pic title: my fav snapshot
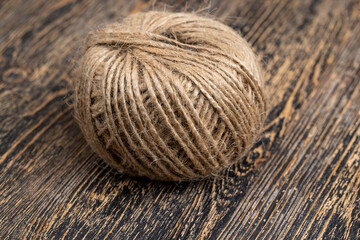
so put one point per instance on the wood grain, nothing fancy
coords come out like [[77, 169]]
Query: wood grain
[[300, 181]]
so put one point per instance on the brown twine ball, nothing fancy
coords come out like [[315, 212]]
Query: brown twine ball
[[169, 96]]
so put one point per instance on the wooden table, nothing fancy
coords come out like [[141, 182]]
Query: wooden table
[[301, 180]]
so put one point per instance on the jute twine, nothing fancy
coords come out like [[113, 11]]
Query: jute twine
[[169, 96]]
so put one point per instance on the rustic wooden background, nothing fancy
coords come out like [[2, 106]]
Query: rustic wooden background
[[301, 180]]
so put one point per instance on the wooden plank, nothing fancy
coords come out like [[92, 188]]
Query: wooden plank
[[301, 180]]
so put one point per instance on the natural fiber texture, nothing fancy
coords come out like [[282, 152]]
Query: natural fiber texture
[[169, 96]]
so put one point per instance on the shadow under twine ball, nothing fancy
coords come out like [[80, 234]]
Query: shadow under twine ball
[[169, 96]]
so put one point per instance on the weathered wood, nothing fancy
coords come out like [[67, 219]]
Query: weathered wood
[[301, 180]]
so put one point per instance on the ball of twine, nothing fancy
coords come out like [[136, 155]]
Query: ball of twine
[[169, 96]]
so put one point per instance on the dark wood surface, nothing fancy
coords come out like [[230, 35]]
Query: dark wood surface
[[300, 181]]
